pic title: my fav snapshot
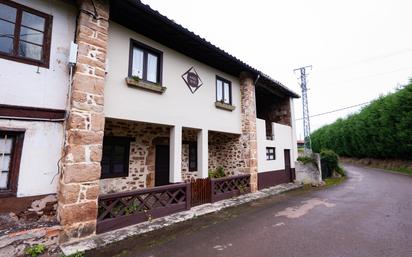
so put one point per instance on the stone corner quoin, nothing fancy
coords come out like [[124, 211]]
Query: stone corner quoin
[[80, 170]]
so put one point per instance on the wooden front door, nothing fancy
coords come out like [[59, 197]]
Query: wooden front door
[[162, 165], [288, 170]]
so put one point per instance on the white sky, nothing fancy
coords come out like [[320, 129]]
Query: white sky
[[359, 49]]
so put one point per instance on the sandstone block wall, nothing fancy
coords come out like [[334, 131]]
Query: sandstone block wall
[[142, 154], [80, 166], [225, 150], [248, 137]]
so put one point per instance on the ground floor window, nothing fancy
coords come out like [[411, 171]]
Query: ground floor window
[[192, 156], [11, 143], [270, 153], [115, 159]]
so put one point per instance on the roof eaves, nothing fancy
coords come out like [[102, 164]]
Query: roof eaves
[[206, 43]]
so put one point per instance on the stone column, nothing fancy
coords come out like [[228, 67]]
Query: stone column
[[202, 153], [175, 172], [80, 167], [248, 137]]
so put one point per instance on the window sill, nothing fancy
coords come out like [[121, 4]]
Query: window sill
[[223, 106], [145, 85], [114, 176]]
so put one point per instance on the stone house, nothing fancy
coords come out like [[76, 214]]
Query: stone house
[[147, 104]]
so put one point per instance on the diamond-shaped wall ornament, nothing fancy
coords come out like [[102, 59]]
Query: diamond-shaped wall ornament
[[192, 80]]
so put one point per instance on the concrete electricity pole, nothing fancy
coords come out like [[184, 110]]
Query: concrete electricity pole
[[306, 121]]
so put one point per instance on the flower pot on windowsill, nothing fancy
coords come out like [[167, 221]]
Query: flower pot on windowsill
[[224, 106], [138, 83]]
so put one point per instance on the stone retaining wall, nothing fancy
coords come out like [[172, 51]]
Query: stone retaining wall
[[309, 173]]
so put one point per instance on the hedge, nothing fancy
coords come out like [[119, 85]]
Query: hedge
[[383, 129]]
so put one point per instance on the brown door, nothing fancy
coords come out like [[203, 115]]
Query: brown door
[[288, 170], [162, 165]]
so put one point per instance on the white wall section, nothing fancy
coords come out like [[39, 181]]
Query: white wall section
[[175, 106], [28, 85], [40, 155], [283, 140]]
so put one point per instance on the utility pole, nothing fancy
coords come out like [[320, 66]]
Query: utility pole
[[306, 121]]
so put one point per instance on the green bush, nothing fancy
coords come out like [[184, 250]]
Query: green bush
[[380, 130], [218, 173], [35, 250], [330, 158], [306, 159]]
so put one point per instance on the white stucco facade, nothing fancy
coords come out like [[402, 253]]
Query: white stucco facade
[[28, 85], [42, 149], [283, 139], [176, 106]]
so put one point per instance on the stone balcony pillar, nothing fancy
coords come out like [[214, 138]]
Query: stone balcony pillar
[[80, 166], [248, 137]]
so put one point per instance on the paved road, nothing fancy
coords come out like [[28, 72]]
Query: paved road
[[370, 214]]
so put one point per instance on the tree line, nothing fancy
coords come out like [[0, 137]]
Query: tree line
[[382, 129]]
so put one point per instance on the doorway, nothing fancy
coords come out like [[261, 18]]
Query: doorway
[[162, 165], [288, 169]]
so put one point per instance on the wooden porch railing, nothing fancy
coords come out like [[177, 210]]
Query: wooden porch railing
[[127, 208], [227, 187]]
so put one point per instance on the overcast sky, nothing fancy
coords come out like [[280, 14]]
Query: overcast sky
[[359, 49]]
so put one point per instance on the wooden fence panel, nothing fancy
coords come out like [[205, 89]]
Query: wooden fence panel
[[127, 208], [227, 187]]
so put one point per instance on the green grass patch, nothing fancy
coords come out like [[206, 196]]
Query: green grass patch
[[35, 250], [334, 181], [403, 170]]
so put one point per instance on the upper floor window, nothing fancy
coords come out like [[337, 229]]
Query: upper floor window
[[145, 62], [223, 90], [11, 143], [24, 34]]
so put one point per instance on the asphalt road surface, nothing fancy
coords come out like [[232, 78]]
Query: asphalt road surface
[[370, 214]]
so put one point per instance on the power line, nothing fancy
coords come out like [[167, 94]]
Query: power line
[[369, 59], [337, 110], [376, 74]]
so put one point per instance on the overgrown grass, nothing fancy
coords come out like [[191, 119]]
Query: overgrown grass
[[390, 165], [334, 181], [404, 170]]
